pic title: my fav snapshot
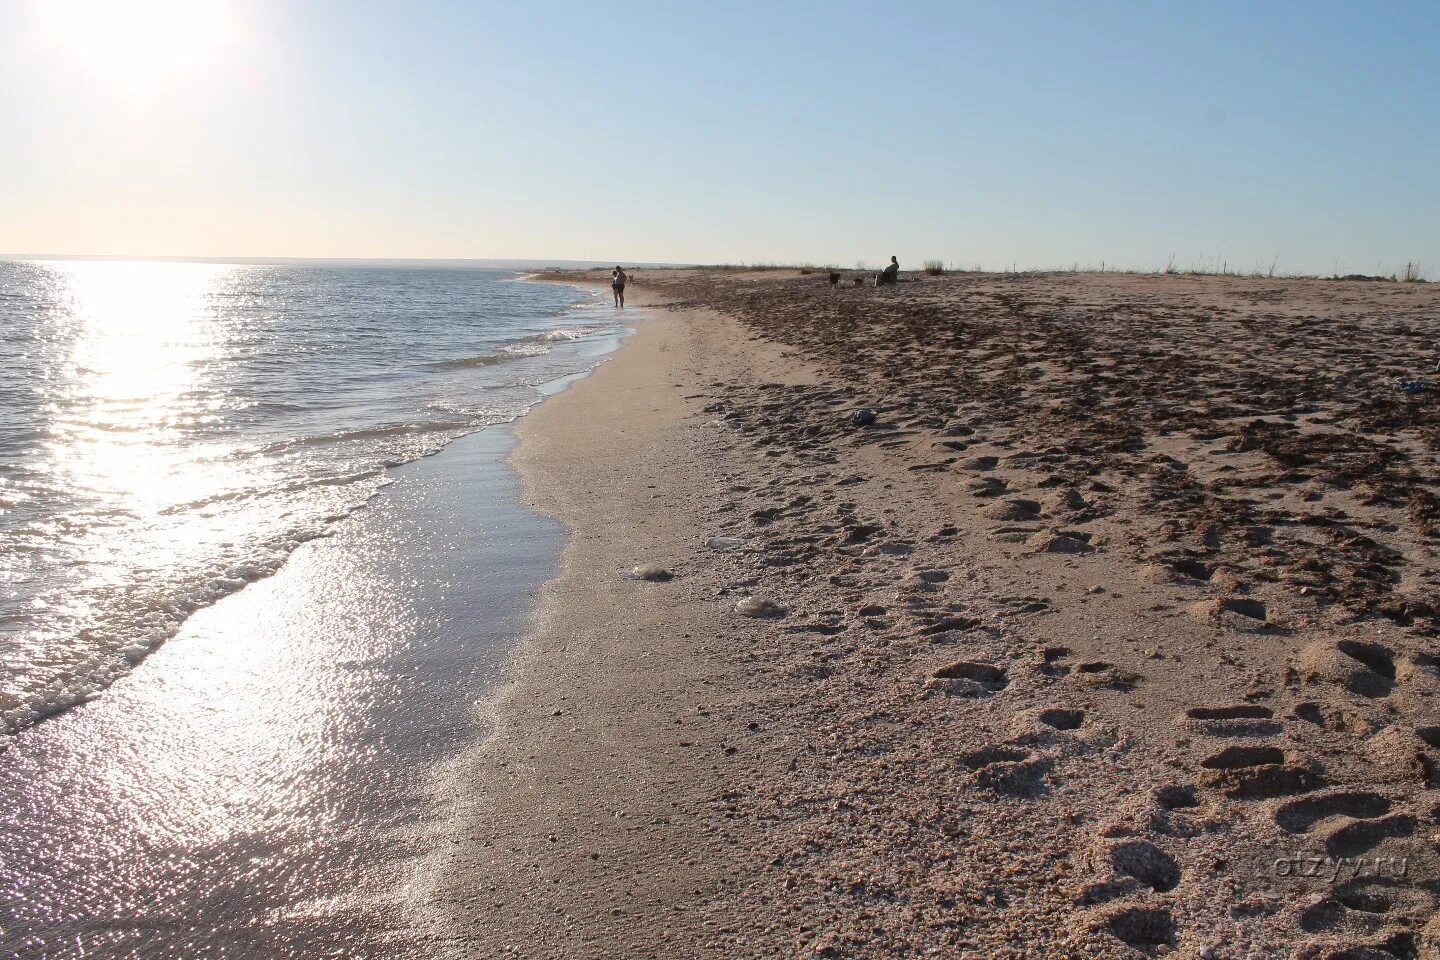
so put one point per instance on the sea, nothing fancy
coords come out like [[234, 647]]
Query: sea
[[263, 560]]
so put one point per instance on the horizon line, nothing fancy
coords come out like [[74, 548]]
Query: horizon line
[[177, 258]]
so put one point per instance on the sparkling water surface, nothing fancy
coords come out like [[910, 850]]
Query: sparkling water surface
[[193, 769], [172, 431]]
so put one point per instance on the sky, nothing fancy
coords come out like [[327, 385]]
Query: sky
[[1042, 134]]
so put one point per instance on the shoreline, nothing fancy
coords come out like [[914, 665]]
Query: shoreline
[[290, 722], [591, 778], [1012, 707], [298, 722]]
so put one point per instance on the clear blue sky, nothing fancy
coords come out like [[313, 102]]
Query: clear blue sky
[[991, 133]]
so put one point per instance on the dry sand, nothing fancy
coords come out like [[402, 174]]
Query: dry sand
[[1114, 635]]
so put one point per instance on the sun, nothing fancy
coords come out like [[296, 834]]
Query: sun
[[135, 44]]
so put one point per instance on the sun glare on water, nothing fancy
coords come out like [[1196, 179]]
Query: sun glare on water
[[138, 43]]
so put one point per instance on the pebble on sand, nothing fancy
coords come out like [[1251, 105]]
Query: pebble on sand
[[652, 572], [760, 607], [721, 541]]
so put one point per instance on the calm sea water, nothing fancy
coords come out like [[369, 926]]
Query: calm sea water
[[227, 690], [171, 432]]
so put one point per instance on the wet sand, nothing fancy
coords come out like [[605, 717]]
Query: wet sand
[[1112, 636]]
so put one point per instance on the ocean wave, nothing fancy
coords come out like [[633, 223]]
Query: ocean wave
[[535, 346], [369, 433], [291, 486], [142, 620], [526, 349], [578, 333], [484, 360]]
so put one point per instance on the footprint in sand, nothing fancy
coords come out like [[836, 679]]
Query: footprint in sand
[[969, 679], [1012, 508], [1099, 673], [1008, 769], [1251, 772], [1333, 717], [1241, 720], [1370, 899], [1146, 929], [986, 486], [1248, 711], [1403, 755], [948, 624], [1429, 735], [1428, 662], [1346, 823], [1135, 866], [1301, 816], [1062, 718], [1009, 533], [1019, 605], [1177, 797], [1362, 836], [1052, 661], [1366, 669], [1244, 614], [861, 532], [1067, 502], [1179, 570], [1147, 863], [1073, 542], [1373, 918], [930, 575]]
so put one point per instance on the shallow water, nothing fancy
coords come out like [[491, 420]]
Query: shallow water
[[258, 787], [205, 759], [170, 432]]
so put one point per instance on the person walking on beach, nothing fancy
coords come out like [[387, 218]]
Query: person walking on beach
[[617, 285]]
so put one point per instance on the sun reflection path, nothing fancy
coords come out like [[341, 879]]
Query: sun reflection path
[[136, 468], [142, 336]]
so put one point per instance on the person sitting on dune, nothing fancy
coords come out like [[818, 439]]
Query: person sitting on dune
[[889, 275]]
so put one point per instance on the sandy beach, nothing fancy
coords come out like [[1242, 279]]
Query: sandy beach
[[1059, 578], [1110, 637]]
